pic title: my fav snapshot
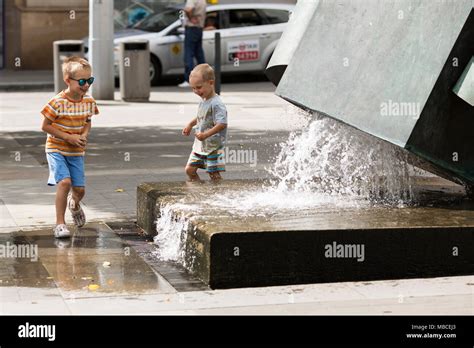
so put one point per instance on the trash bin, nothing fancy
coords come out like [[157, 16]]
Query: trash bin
[[134, 70], [61, 50]]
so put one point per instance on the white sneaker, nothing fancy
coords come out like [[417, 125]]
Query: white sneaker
[[61, 231], [77, 213], [185, 84]]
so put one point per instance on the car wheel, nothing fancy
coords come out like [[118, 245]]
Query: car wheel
[[155, 70]]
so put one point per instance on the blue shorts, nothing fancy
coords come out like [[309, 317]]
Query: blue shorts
[[62, 167]]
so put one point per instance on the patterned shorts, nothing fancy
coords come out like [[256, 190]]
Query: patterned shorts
[[212, 163]]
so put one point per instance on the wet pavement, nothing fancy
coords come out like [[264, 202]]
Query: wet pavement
[[74, 277], [93, 262]]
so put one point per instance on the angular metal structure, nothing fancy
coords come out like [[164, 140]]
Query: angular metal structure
[[398, 70]]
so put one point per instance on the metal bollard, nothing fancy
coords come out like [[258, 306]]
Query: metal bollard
[[217, 61]]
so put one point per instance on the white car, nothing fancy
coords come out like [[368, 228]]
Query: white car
[[249, 35]]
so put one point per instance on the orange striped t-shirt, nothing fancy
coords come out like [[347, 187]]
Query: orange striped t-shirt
[[70, 117]]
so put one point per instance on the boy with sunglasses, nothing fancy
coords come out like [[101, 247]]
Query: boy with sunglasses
[[67, 121]]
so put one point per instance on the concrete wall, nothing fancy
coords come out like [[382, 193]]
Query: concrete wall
[[32, 26]]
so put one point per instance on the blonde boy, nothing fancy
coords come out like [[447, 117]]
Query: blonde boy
[[67, 121], [211, 130]]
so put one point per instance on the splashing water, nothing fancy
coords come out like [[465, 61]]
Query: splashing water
[[327, 164], [171, 243], [332, 159]]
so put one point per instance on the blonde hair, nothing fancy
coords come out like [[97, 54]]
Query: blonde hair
[[73, 64], [206, 71]]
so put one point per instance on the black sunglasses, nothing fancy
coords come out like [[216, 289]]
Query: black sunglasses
[[82, 82]]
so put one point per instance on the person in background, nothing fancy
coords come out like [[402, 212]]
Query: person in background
[[195, 16], [211, 23]]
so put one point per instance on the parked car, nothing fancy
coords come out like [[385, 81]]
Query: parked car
[[249, 35], [128, 21]]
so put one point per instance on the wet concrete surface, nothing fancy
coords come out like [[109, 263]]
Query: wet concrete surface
[[94, 262], [176, 275], [58, 283], [440, 203]]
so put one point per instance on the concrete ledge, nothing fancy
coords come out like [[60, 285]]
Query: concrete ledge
[[225, 250]]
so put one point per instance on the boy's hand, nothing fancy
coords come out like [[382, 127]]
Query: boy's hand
[[187, 130], [202, 136], [76, 140], [84, 138]]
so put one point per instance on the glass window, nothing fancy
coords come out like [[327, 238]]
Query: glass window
[[212, 21], [159, 21], [129, 13], [275, 16], [244, 18]]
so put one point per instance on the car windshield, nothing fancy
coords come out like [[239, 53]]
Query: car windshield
[[159, 21]]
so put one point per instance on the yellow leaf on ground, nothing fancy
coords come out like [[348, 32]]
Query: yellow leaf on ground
[[119, 190], [93, 287]]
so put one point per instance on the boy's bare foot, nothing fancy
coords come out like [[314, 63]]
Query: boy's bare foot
[[194, 182], [215, 177], [194, 178], [192, 174]]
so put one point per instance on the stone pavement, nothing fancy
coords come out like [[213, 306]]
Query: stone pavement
[[136, 142]]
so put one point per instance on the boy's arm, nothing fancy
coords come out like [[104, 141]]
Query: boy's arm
[[74, 139], [187, 129], [87, 129], [210, 132]]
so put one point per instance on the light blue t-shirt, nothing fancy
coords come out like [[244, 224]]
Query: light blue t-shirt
[[210, 113]]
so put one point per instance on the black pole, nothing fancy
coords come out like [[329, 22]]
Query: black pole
[[217, 60]]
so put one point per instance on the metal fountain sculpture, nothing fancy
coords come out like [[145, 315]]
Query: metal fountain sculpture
[[401, 71]]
